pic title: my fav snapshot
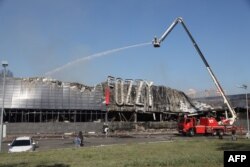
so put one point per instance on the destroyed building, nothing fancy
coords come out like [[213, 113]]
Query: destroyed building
[[49, 100]]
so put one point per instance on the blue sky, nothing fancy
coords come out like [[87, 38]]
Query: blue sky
[[37, 36]]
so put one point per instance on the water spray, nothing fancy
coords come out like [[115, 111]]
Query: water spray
[[90, 57]]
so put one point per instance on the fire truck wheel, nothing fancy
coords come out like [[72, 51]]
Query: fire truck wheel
[[214, 133], [191, 132], [221, 133]]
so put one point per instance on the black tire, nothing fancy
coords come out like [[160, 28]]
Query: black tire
[[221, 133], [214, 132], [191, 132]]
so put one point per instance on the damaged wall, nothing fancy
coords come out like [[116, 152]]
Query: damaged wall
[[43, 93], [143, 96], [120, 95]]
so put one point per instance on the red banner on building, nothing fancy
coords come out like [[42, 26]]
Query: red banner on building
[[107, 96]]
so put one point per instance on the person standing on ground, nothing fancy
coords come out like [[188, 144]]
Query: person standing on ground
[[77, 141], [234, 137], [80, 135]]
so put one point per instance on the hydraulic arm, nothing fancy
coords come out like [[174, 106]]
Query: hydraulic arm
[[157, 43]]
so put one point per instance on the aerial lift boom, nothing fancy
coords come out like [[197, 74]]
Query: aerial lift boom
[[157, 42]]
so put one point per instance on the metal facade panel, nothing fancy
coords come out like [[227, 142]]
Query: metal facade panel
[[40, 93], [128, 96]]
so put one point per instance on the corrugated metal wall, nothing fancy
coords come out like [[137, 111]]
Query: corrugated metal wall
[[40, 93], [132, 96]]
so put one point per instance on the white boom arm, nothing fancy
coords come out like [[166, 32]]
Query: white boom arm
[[157, 42]]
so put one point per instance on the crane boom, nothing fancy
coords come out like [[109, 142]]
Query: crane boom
[[157, 43]]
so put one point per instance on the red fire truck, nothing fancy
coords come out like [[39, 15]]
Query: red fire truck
[[202, 125]]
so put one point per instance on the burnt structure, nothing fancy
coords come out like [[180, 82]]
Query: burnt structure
[[48, 100], [237, 101]]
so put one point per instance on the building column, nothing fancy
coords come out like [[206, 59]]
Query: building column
[[135, 117], [106, 117]]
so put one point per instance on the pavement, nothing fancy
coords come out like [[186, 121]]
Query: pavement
[[95, 141], [90, 141]]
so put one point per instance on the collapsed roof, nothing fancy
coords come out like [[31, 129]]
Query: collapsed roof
[[124, 95]]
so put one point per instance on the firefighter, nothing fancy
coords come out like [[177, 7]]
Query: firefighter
[[234, 137], [80, 135]]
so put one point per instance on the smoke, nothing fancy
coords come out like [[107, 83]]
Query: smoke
[[191, 92], [34, 41], [90, 57]]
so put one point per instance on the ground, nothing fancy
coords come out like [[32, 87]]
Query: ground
[[128, 150], [94, 140]]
